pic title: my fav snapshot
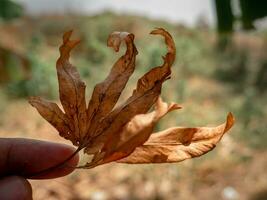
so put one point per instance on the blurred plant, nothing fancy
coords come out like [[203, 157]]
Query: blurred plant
[[194, 56], [11, 68], [155, 55], [252, 117], [232, 66], [10, 9], [261, 79], [96, 51], [3, 101], [21, 86]]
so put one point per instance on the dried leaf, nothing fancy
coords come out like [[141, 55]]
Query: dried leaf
[[133, 134], [178, 144], [71, 89], [144, 96], [53, 114], [123, 133], [107, 93]]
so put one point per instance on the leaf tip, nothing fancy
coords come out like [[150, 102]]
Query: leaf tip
[[170, 56], [158, 30], [175, 106], [230, 121], [67, 35], [115, 39], [67, 45]]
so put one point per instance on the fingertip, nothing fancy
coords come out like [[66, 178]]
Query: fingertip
[[61, 152], [69, 150], [30, 157], [15, 188], [73, 162]]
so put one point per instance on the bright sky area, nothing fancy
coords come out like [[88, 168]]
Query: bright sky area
[[186, 12]]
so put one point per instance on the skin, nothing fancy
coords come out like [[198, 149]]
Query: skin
[[22, 158]]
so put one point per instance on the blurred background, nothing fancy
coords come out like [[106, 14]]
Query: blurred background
[[221, 66]]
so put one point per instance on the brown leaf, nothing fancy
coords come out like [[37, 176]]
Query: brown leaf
[[107, 93], [144, 96], [177, 144], [133, 134], [71, 89], [52, 113], [123, 133], [72, 97]]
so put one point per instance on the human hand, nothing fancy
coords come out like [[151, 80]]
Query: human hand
[[20, 157]]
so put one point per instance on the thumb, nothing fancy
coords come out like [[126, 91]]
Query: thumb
[[15, 188]]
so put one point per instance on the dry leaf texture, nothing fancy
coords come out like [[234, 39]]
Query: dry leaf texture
[[123, 133], [177, 144]]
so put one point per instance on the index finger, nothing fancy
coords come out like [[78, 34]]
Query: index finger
[[26, 157]]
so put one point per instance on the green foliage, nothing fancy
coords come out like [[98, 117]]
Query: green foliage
[[9, 9], [40, 73], [3, 101], [232, 66], [42, 79], [193, 55], [96, 51], [252, 115], [261, 79]]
